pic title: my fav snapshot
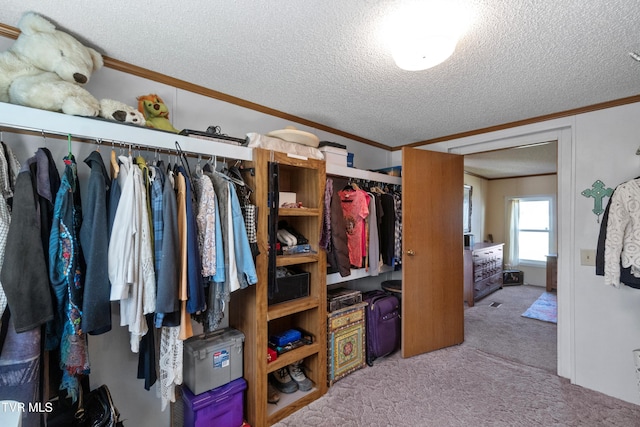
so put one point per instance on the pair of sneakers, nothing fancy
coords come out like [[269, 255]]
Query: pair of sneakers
[[291, 378]]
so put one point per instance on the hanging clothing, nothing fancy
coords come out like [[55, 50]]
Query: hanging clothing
[[374, 243], [170, 364], [206, 222], [397, 208], [5, 215], [623, 225], [218, 294], [66, 273], [20, 370], [355, 209], [94, 239], [122, 234], [167, 297], [115, 190], [195, 302], [244, 259], [186, 329], [131, 267], [25, 275], [626, 276], [338, 257], [325, 232], [388, 229], [141, 297], [221, 188]]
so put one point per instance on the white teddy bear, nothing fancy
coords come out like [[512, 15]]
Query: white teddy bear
[[121, 112], [46, 68]]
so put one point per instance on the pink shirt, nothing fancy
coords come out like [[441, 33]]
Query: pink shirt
[[355, 210]]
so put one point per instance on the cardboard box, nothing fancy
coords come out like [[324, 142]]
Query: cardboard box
[[286, 197], [212, 360]]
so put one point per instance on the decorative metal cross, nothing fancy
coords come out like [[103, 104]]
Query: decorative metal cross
[[598, 192]]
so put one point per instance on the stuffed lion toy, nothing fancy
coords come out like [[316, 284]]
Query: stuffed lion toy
[[155, 112]]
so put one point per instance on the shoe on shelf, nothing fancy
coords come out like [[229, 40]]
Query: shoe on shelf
[[297, 374], [273, 396], [282, 381]]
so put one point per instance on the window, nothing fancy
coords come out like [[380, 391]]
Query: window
[[531, 229]]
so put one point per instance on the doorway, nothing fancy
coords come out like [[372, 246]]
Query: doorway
[[495, 322]]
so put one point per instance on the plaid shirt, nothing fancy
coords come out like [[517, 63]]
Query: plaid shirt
[[157, 185]]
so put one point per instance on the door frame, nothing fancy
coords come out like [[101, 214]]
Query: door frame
[[563, 131]]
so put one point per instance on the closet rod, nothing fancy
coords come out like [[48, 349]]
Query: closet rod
[[87, 128], [351, 173]]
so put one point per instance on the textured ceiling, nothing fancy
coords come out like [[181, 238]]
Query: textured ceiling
[[323, 60], [535, 159]]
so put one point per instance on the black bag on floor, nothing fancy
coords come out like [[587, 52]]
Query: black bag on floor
[[382, 321], [93, 409]]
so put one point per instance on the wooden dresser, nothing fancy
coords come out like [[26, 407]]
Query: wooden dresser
[[483, 271]]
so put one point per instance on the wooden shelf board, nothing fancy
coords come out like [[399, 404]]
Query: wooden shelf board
[[297, 305], [294, 355], [289, 403], [296, 259], [298, 212]]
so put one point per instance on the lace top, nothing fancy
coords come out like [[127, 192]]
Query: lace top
[[622, 245]]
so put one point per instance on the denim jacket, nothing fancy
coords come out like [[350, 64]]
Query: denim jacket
[[244, 258]]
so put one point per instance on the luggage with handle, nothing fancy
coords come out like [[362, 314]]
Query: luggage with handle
[[382, 321]]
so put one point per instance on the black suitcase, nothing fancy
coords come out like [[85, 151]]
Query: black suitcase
[[382, 321]]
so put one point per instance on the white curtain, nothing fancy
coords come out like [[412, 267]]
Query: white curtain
[[511, 254]]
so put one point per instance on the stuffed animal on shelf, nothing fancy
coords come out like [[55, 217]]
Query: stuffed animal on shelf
[[120, 112], [46, 68], [155, 112]]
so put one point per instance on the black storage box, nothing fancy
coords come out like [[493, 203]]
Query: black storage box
[[342, 297], [291, 287], [512, 277]]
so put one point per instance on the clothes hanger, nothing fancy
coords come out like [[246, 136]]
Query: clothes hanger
[[207, 166], [115, 168], [199, 172], [70, 154]]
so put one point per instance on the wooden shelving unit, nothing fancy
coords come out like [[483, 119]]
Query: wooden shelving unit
[[250, 311]]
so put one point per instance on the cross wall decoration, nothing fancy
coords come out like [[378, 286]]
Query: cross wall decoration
[[598, 192]]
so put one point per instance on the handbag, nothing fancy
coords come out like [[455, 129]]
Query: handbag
[[99, 409], [93, 409]]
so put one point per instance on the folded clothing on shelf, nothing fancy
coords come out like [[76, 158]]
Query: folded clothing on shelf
[[300, 239], [286, 238]]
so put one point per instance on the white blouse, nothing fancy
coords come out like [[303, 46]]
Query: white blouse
[[622, 244]]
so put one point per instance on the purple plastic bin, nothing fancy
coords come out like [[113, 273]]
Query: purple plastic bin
[[220, 407]]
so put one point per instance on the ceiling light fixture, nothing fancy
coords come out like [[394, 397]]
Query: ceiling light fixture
[[424, 34]]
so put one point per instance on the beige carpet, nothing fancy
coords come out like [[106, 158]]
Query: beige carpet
[[472, 384]]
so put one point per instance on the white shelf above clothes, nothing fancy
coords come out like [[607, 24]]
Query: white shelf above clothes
[[356, 273], [53, 123], [346, 172]]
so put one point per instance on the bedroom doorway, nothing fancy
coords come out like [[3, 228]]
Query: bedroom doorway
[[495, 323]]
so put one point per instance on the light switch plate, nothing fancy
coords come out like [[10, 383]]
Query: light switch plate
[[587, 257]]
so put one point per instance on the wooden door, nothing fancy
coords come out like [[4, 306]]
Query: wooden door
[[432, 250]]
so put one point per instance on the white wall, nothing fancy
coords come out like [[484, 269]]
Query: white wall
[[597, 326], [499, 191], [112, 362], [607, 320], [479, 205]]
